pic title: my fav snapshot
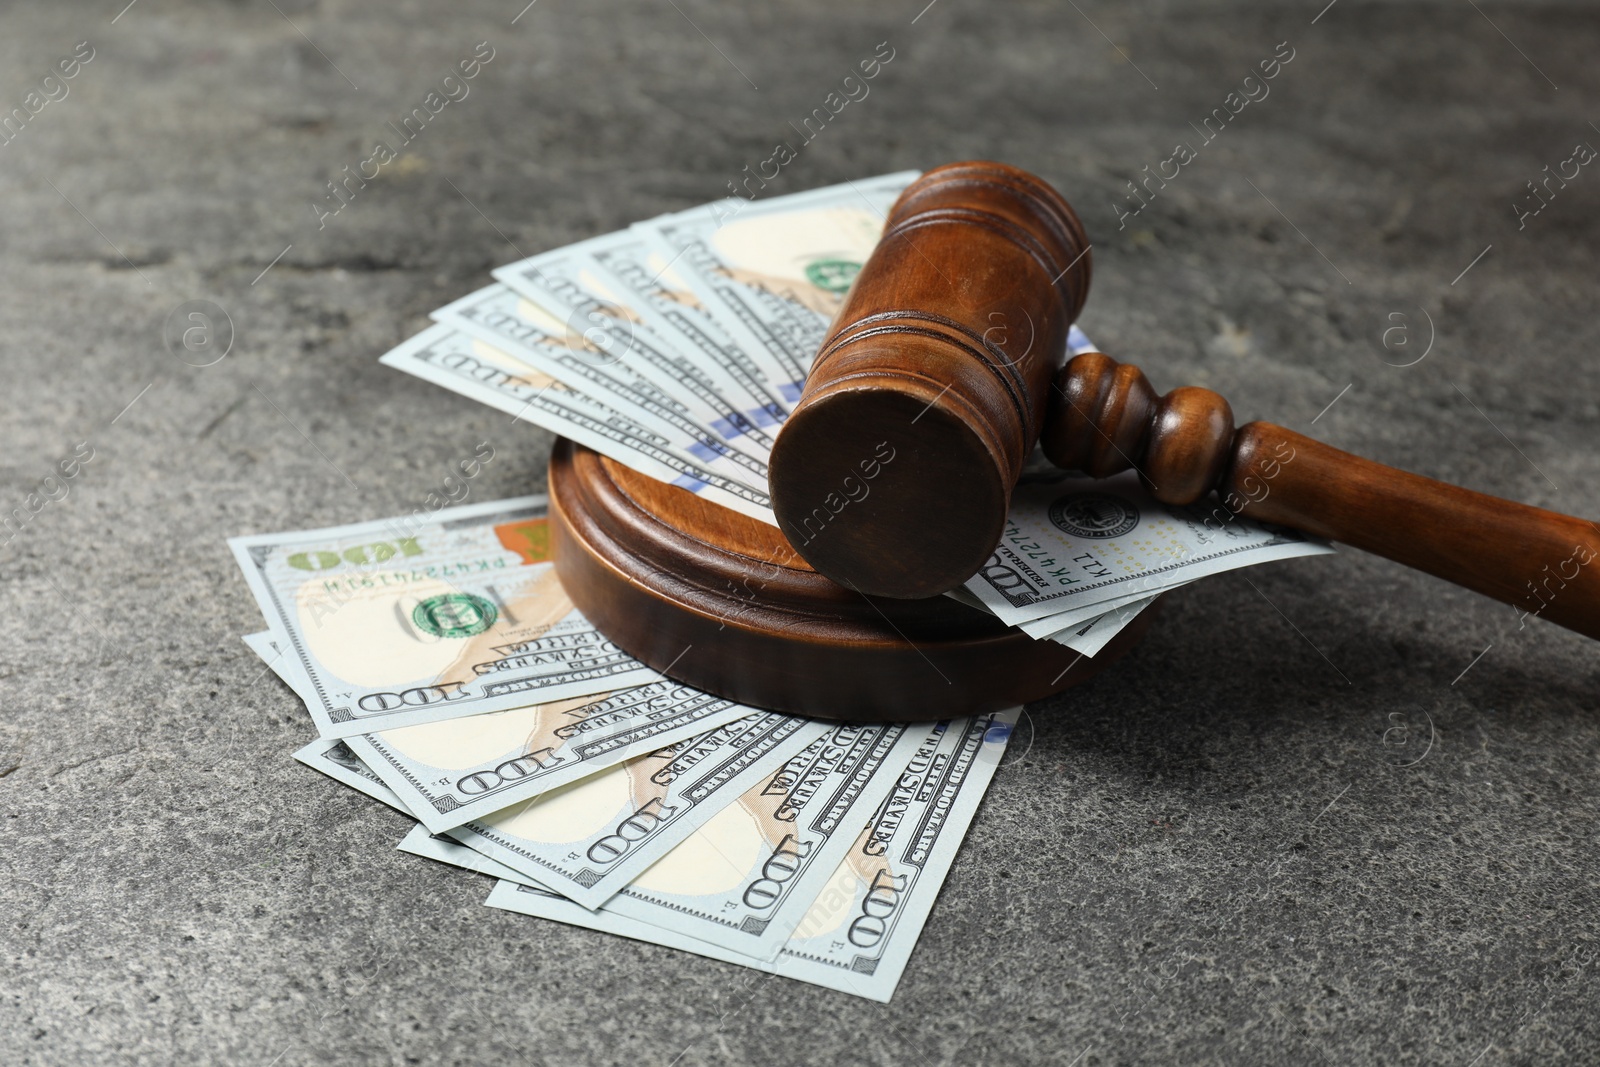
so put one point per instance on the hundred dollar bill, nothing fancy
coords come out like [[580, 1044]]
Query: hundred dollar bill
[[511, 322], [515, 895], [477, 370], [1074, 543], [451, 772], [445, 849], [403, 621], [517, 777], [774, 273], [515, 891], [334, 759], [338, 760], [457, 770], [745, 878], [859, 931], [1090, 637], [1081, 616], [589, 839], [602, 325], [651, 285], [861, 927]]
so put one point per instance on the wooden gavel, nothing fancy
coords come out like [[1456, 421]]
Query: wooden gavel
[[944, 368]]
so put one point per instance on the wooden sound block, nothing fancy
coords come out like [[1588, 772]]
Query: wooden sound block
[[722, 602]]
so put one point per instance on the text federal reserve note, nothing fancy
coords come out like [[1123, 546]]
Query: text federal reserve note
[[601, 323], [451, 772], [505, 318], [588, 840], [478, 370], [860, 929], [634, 268], [745, 878]]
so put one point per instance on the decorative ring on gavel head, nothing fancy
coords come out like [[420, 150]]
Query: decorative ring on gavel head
[[894, 473]]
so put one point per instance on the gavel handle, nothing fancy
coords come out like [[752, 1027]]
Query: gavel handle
[[1540, 562], [1543, 563]]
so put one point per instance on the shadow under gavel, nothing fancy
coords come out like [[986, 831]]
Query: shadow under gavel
[[946, 357]]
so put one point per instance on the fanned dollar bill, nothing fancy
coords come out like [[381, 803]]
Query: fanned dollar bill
[[511, 322], [332, 758], [774, 272], [856, 934], [1090, 637], [601, 325], [411, 620], [452, 772], [588, 840], [664, 300], [861, 927], [1080, 543], [445, 849], [1081, 616], [859, 931], [745, 878], [469, 367], [337, 761], [449, 773]]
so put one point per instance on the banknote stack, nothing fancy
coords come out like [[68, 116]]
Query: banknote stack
[[449, 676]]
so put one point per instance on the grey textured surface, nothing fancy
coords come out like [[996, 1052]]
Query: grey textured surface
[[1288, 828]]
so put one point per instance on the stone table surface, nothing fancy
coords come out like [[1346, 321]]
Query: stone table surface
[[1329, 811]]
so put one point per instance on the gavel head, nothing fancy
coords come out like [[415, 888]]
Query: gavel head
[[894, 473]]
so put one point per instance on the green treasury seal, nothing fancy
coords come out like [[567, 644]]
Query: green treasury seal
[[834, 275], [454, 615]]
